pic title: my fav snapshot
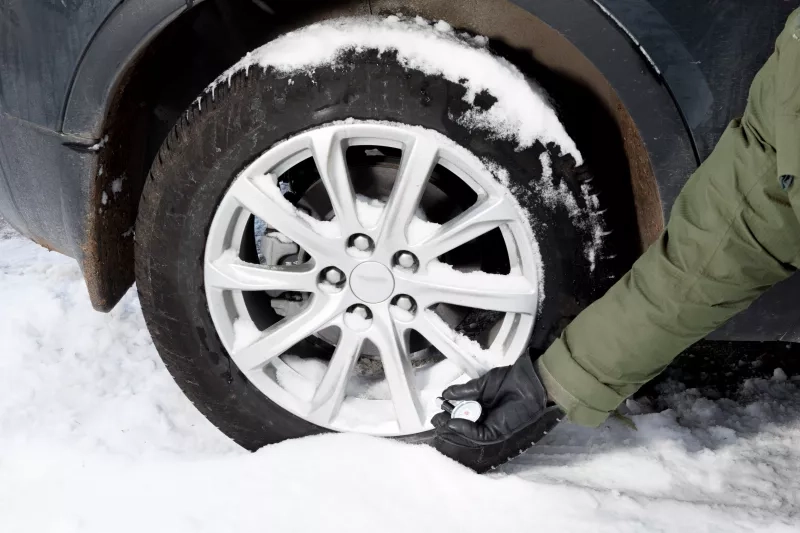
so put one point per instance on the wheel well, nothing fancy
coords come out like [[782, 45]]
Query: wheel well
[[195, 48]]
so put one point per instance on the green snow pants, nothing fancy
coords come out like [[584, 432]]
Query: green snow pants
[[732, 234]]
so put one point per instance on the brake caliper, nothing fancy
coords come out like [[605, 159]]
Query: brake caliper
[[278, 250]]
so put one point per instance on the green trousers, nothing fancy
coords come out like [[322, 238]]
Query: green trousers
[[732, 234]]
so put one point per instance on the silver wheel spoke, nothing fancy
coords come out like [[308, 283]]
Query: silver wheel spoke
[[481, 218], [444, 341], [398, 370], [278, 338], [280, 214], [415, 169], [492, 292], [229, 272], [331, 390], [332, 167]]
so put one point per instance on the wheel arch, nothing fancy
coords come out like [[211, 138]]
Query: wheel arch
[[568, 45]]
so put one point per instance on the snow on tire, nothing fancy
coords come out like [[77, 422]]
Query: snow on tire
[[355, 216]]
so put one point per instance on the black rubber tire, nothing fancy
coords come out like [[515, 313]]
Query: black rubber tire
[[217, 138]]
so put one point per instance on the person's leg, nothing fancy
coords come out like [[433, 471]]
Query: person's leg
[[732, 235]]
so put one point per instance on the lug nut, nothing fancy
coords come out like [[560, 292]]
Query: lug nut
[[332, 276], [406, 260], [362, 242], [360, 311], [406, 303], [360, 245], [358, 317]]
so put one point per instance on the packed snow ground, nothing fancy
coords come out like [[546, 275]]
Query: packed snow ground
[[95, 436]]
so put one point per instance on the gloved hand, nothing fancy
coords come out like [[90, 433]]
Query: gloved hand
[[515, 416]]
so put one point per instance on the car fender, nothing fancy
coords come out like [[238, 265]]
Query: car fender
[[124, 34]]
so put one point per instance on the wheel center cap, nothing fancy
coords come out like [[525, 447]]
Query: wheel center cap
[[371, 282]]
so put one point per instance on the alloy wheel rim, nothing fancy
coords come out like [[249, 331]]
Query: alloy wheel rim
[[373, 279]]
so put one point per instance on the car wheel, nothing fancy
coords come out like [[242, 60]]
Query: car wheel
[[330, 249]]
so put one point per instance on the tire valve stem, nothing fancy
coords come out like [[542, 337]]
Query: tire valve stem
[[468, 410]]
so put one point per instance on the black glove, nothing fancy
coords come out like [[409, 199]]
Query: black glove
[[515, 416]]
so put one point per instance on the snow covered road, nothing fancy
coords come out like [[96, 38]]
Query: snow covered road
[[95, 436]]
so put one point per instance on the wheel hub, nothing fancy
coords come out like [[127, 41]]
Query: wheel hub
[[371, 282]]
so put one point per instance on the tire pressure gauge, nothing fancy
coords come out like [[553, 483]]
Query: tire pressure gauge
[[468, 410]]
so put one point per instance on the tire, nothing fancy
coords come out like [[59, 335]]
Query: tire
[[217, 138]]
